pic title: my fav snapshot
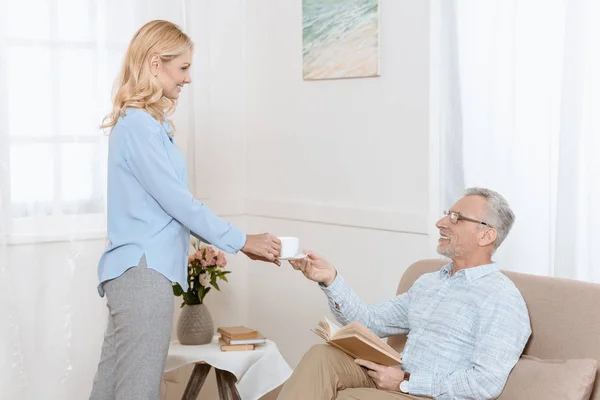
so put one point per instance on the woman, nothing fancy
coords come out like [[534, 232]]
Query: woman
[[150, 216]]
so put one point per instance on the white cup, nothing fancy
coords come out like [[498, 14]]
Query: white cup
[[290, 246]]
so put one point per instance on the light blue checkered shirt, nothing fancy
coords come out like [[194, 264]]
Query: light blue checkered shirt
[[465, 332]]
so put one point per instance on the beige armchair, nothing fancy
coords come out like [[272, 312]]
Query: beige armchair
[[565, 321]]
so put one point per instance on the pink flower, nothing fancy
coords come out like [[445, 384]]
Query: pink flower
[[211, 254], [204, 263], [198, 254], [221, 260]]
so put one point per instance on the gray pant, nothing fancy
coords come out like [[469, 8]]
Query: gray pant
[[136, 342]]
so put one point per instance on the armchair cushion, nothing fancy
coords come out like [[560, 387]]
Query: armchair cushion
[[535, 378]]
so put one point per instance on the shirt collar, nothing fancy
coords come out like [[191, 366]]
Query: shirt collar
[[168, 128], [472, 273], [167, 125], [446, 270]]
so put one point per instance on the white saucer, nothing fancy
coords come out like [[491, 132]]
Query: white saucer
[[296, 257]]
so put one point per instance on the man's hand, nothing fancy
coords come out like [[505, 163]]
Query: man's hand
[[385, 378], [264, 247], [315, 268]]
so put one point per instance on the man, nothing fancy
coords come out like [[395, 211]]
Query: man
[[467, 323]]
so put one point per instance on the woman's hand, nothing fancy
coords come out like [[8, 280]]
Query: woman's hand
[[263, 247]]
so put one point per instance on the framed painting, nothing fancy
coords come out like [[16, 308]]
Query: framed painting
[[340, 39]]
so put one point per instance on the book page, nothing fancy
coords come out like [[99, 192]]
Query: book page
[[326, 329], [322, 330], [356, 328], [357, 347], [333, 327]]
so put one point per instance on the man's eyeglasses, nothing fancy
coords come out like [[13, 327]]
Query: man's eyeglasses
[[455, 217]]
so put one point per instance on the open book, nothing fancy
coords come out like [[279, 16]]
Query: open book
[[357, 341]]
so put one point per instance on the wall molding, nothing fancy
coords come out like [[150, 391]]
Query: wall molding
[[29, 231], [357, 217]]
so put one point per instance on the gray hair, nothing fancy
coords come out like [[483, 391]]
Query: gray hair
[[499, 214]]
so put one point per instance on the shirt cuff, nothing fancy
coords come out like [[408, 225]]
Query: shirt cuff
[[420, 384], [240, 240], [337, 292], [336, 285]]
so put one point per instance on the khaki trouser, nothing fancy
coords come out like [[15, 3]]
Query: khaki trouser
[[326, 373]]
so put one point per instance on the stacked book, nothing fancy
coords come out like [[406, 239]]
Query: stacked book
[[239, 338]]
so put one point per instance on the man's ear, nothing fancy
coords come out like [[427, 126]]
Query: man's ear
[[488, 237], [155, 64]]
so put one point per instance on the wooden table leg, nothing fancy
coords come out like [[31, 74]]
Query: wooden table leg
[[226, 385], [196, 381]]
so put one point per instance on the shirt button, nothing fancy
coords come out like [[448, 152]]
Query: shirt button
[[337, 306]]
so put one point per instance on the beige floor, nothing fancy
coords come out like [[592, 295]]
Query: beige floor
[[174, 383]]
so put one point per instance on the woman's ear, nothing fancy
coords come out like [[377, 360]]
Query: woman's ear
[[155, 64]]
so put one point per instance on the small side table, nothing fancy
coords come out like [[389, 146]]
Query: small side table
[[241, 375], [225, 383]]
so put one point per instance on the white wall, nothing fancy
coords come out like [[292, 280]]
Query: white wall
[[217, 134], [361, 142], [342, 164], [218, 169], [218, 103]]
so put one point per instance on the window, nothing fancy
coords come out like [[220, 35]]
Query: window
[[56, 71]]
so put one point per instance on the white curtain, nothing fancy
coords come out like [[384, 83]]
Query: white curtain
[[516, 89], [58, 61]]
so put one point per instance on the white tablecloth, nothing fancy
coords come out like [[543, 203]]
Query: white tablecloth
[[257, 371]]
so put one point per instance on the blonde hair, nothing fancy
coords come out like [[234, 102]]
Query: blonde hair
[[136, 87]]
